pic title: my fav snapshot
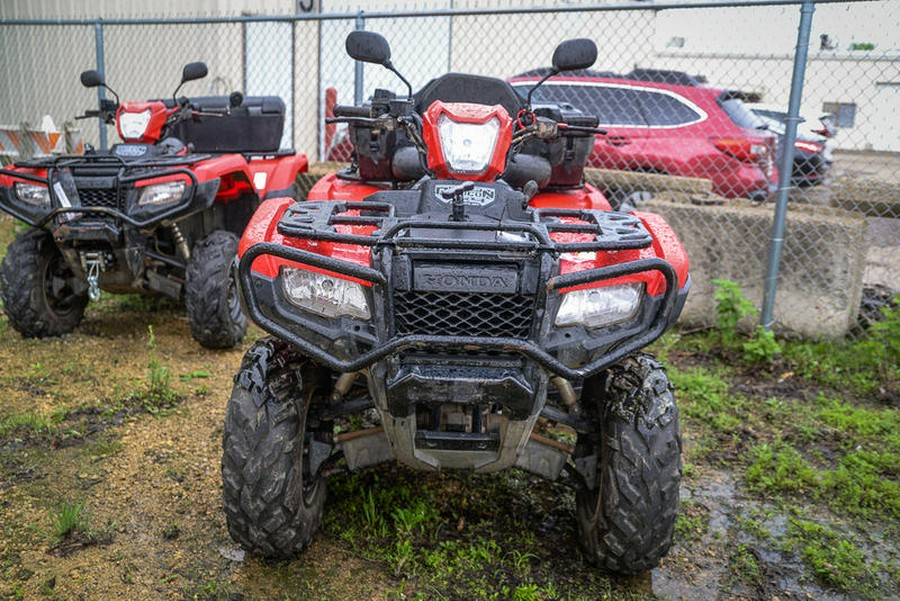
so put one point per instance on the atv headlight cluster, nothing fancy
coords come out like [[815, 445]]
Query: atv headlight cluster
[[600, 307], [133, 125], [324, 295], [161, 194], [33, 194], [468, 147]]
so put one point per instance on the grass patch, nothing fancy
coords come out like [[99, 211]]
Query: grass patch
[[704, 395], [834, 559], [466, 536], [744, 565], [867, 366], [32, 423], [780, 469], [862, 484], [692, 523]]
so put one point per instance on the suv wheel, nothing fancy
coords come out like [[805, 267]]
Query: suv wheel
[[627, 520], [41, 294], [210, 294], [273, 504]]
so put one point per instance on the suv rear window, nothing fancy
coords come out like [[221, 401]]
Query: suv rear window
[[666, 110], [611, 105], [738, 112], [616, 105]]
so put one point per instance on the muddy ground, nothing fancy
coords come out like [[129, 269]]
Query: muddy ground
[[81, 428]]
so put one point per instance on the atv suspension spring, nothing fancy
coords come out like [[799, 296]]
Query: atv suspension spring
[[180, 243]]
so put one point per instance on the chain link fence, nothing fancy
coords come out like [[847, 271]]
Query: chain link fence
[[693, 100]]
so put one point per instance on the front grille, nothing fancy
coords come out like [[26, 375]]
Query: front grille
[[98, 197], [463, 314]]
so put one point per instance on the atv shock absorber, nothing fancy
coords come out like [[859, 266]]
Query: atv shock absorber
[[181, 244]]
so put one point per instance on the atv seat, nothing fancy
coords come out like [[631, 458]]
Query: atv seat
[[254, 127]]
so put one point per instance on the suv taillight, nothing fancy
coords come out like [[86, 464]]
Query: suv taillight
[[812, 147], [742, 149]]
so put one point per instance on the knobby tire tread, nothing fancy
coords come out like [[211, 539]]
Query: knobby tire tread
[[627, 523]]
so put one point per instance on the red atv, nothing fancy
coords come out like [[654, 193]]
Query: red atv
[[160, 213], [462, 290]]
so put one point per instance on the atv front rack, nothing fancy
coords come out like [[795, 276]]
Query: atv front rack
[[267, 306], [611, 231], [124, 173]]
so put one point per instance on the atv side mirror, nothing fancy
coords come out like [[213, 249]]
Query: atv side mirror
[[193, 71], [369, 47], [91, 79], [579, 53]]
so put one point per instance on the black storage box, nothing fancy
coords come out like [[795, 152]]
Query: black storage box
[[253, 127]]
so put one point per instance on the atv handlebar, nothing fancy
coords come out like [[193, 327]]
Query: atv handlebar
[[344, 110]]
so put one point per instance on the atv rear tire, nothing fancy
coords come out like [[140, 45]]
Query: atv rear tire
[[273, 505], [213, 307], [42, 296], [627, 520]]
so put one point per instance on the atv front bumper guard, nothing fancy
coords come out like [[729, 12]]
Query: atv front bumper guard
[[196, 196], [276, 316]]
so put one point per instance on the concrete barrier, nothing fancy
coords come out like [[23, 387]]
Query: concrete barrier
[[870, 197], [822, 262]]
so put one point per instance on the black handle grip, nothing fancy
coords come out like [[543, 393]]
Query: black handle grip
[[341, 110], [585, 121]]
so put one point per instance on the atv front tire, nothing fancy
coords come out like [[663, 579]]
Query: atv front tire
[[627, 520], [210, 295], [41, 294], [273, 505]]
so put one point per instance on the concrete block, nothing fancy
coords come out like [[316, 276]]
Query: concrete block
[[821, 269], [653, 182], [870, 197]]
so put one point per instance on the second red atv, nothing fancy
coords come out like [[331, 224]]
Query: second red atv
[[160, 213], [462, 295]]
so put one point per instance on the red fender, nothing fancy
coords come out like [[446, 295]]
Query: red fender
[[277, 173]]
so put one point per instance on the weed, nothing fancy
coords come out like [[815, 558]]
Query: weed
[[731, 307], [213, 591], [692, 523], [197, 373], [159, 395], [69, 519], [761, 348], [745, 566], [526, 592]]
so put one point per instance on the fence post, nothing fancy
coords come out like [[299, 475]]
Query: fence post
[[784, 168], [101, 91], [358, 67]]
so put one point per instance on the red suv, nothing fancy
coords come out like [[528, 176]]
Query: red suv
[[686, 130]]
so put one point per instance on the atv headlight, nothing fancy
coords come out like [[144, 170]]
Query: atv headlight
[[324, 295], [133, 125], [33, 194], [599, 307], [468, 147], [161, 194]]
